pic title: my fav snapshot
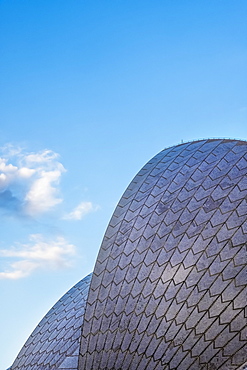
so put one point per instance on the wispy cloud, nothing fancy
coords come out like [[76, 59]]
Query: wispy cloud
[[80, 211], [37, 254], [29, 181]]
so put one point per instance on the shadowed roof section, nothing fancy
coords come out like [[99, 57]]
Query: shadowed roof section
[[54, 344], [167, 290]]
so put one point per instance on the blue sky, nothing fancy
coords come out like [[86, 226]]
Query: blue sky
[[90, 91]]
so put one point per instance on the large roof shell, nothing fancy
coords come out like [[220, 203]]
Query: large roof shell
[[167, 290]]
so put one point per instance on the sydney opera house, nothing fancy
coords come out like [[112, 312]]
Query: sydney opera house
[[168, 290]]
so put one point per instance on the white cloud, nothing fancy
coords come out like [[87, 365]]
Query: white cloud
[[19, 270], [29, 181], [80, 211], [42, 194], [26, 172], [41, 156], [38, 254]]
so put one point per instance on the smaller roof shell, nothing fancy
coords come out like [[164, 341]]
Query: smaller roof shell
[[55, 342]]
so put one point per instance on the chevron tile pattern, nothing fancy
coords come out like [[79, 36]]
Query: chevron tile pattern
[[54, 344], [168, 288]]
